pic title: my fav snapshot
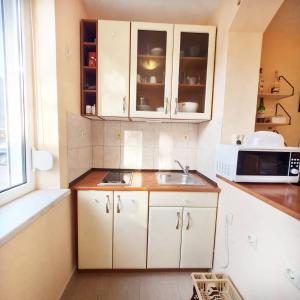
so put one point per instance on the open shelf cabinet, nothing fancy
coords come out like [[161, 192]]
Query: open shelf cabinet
[[88, 67]]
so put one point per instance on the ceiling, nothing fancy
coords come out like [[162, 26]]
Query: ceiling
[[166, 11], [287, 18]]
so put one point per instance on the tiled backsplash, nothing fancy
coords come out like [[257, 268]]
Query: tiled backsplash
[[141, 145], [136, 145], [79, 145]]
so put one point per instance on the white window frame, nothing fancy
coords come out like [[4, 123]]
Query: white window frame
[[22, 189]]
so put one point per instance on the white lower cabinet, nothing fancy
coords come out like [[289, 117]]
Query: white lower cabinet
[[164, 237], [130, 230], [95, 220], [181, 229], [112, 229], [198, 233]]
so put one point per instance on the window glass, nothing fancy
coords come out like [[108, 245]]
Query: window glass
[[12, 115]]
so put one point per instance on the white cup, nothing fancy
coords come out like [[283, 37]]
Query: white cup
[[88, 109], [152, 79], [94, 109], [191, 80]]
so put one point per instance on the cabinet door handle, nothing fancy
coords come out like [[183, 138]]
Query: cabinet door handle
[[178, 220], [124, 104], [118, 205], [167, 104], [188, 224], [176, 105], [107, 204]]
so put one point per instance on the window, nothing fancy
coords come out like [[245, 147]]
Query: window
[[15, 62]]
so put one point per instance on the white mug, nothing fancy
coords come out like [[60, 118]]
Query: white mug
[[88, 109], [152, 79], [94, 109]]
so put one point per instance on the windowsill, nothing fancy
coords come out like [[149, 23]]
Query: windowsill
[[17, 215]]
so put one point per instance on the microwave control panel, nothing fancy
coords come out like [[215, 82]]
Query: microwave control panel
[[294, 164]]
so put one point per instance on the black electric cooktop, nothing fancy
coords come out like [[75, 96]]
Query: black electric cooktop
[[117, 178]]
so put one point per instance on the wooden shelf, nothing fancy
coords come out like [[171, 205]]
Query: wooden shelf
[[273, 96], [89, 44], [199, 58], [147, 84], [271, 124], [145, 56], [186, 85], [89, 68], [89, 91], [91, 116]]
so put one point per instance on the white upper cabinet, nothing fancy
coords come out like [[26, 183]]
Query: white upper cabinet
[[151, 70], [113, 69], [170, 68], [192, 75]]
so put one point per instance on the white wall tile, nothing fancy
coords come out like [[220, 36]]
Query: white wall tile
[[131, 157], [149, 134], [192, 158], [98, 133], [112, 133], [98, 156], [111, 157], [192, 140], [79, 139], [181, 155], [138, 145], [78, 131], [148, 158], [180, 134], [132, 134]]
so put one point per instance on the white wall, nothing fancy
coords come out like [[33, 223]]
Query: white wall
[[280, 51], [210, 132], [38, 262], [238, 49], [46, 101], [258, 273], [68, 14], [158, 11]]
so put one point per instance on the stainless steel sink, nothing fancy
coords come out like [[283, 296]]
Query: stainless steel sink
[[177, 179]]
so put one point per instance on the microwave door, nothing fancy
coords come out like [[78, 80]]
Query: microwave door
[[263, 163]]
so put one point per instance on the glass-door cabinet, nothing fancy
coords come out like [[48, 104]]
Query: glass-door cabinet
[[192, 75], [151, 64]]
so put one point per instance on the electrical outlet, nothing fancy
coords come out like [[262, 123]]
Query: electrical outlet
[[293, 276], [83, 133], [252, 240]]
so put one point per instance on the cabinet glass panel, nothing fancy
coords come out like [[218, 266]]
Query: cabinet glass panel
[[151, 66], [192, 72]]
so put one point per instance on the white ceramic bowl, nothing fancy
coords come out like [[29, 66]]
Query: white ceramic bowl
[[157, 51], [160, 109], [144, 107], [188, 107]]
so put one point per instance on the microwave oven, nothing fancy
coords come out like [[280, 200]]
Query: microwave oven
[[253, 164]]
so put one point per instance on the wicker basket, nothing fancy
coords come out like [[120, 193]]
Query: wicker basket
[[220, 281]]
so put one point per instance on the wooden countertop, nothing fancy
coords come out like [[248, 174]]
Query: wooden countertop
[[141, 181], [283, 196]]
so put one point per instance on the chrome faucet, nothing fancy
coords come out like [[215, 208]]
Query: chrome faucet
[[184, 169]]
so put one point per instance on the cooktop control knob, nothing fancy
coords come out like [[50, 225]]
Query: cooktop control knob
[[294, 171]]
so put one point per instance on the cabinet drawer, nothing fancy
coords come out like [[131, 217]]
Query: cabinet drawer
[[187, 199]]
